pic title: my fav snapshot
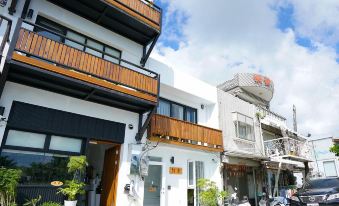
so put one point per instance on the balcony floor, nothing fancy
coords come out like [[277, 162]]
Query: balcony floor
[[35, 76], [112, 18]]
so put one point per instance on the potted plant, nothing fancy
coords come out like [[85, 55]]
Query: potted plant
[[9, 180], [71, 189]]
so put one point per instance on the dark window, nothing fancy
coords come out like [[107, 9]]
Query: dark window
[[164, 108], [37, 167], [105, 51], [176, 110], [42, 158], [191, 115]]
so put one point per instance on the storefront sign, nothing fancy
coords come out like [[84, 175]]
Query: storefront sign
[[175, 170], [57, 183]]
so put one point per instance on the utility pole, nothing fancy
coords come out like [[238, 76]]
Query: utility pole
[[295, 118]]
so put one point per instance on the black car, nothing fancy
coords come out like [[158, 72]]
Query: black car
[[318, 192]]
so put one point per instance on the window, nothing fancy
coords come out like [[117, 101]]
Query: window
[[41, 157], [25, 139], [36, 167], [176, 110], [330, 169], [105, 52], [164, 108], [65, 144], [243, 126]]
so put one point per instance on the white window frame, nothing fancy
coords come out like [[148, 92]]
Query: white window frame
[[235, 118]]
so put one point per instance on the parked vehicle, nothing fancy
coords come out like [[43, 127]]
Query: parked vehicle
[[317, 192]]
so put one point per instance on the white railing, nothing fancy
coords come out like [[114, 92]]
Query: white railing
[[287, 146], [271, 116]]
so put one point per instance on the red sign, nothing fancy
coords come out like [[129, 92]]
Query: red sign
[[260, 80]]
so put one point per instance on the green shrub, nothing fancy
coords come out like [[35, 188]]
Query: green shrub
[[9, 179], [50, 204], [77, 164], [33, 202], [72, 189], [209, 194]]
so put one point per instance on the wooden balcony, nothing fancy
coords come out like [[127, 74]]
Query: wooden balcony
[[134, 86], [145, 11], [139, 20], [173, 131]]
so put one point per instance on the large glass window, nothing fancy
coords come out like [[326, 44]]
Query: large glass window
[[102, 51], [37, 167], [41, 157], [176, 110], [243, 126], [25, 139]]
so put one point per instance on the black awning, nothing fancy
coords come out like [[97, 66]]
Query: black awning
[[31, 117]]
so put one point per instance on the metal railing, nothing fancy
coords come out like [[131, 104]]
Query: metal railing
[[269, 114], [287, 146], [5, 37], [124, 73]]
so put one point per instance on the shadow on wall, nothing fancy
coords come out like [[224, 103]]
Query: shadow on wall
[[166, 72]]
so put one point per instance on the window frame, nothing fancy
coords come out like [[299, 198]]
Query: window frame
[[236, 124], [65, 29], [184, 111], [45, 149]]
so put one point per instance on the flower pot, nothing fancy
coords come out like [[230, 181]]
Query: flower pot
[[70, 203]]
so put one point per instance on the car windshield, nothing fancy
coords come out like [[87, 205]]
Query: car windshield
[[321, 183]]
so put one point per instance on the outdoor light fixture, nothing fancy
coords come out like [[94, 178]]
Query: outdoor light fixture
[[202, 106], [30, 14], [172, 160], [130, 126]]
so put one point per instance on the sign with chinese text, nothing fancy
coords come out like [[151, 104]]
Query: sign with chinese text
[[175, 170]]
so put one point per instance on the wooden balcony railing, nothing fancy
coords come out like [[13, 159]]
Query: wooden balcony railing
[[45, 53], [143, 10], [173, 131]]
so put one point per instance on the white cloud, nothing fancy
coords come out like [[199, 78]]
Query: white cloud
[[226, 37]]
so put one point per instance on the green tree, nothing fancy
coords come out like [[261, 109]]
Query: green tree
[[335, 149], [209, 193]]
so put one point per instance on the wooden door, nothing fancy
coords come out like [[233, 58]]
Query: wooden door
[[109, 179]]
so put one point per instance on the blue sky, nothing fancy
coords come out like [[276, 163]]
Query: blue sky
[[172, 33], [295, 43]]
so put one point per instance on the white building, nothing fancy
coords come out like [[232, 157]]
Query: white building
[[257, 140], [326, 163], [73, 82]]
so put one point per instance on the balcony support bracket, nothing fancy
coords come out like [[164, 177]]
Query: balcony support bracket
[[142, 129], [147, 52]]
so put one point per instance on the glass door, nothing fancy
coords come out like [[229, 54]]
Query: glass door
[[153, 186]]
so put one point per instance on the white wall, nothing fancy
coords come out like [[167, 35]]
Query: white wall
[[178, 193], [322, 154], [16, 92], [227, 105]]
